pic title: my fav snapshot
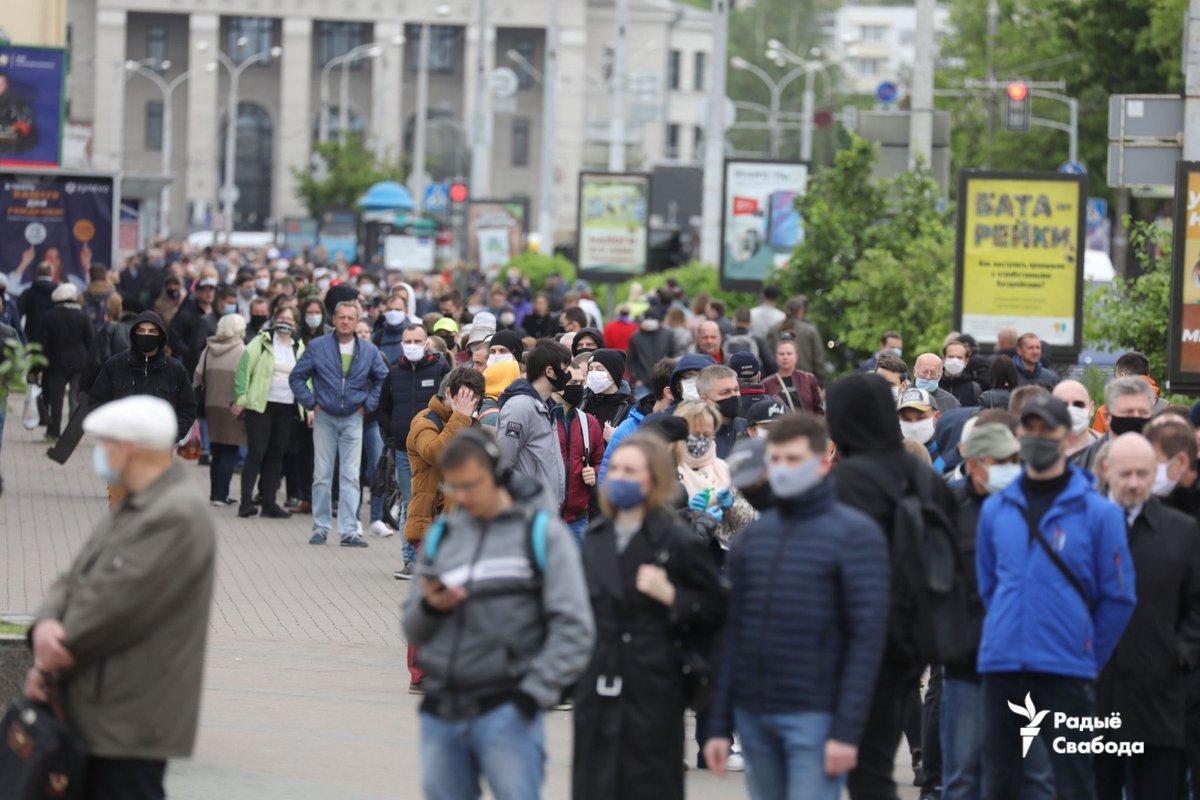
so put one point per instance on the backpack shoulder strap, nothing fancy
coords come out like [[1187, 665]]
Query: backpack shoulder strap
[[437, 421], [584, 424], [536, 541], [433, 538]]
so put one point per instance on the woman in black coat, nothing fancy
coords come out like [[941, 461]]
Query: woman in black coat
[[657, 601]]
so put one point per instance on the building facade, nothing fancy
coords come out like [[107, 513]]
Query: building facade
[[279, 97], [874, 43]]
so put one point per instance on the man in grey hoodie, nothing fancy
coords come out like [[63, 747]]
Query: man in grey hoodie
[[504, 625], [527, 435]]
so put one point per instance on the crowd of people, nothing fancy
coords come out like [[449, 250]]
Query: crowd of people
[[681, 508]]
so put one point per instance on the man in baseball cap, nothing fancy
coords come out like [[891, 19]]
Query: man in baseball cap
[[762, 414], [749, 376], [918, 412]]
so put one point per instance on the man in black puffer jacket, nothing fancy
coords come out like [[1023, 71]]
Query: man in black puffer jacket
[[872, 474], [145, 368]]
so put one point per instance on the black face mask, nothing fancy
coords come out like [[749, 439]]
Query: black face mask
[[450, 344], [258, 320], [145, 343], [730, 406], [560, 380], [1120, 425], [573, 396]]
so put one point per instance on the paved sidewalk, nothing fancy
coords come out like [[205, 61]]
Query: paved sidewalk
[[305, 690]]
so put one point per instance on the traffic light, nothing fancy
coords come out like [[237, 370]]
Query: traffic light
[[1016, 106]]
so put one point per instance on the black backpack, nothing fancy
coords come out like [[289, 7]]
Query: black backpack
[[930, 615], [40, 755]]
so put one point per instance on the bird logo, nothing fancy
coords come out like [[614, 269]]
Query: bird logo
[[1034, 719]]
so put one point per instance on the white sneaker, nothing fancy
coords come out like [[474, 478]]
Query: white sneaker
[[380, 530], [735, 763]]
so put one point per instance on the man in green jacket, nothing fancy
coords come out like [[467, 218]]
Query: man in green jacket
[[123, 630]]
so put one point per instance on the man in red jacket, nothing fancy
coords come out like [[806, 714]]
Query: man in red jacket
[[581, 440]]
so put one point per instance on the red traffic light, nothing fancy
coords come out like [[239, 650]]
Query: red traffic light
[[458, 193], [1017, 91]]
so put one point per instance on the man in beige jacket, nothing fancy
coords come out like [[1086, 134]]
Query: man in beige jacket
[[123, 630]]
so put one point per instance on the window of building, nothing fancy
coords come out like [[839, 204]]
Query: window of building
[[257, 32], [872, 33], [697, 143], [869, 66], [156, 45], [698, 74], [443, 47], [338, 38], [520, 142], [674, 60], [907, 37], [154, 125], [525, 48], [672, 149]]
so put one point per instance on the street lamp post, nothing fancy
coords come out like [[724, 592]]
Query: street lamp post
[[168, 89], [776, 89], [235, 70], [481, 113], [371, 51], [780, 54], [616, 124]]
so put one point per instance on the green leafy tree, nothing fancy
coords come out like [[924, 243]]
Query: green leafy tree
[[1131, 313], [342, 173], [877, 255]]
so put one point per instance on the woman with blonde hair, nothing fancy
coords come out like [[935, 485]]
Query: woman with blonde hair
[[216, 371], [706, 480], [656, 599]]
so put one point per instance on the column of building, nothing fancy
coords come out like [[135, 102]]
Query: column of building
[[108, 123], [202, 117], [387, 87], [293, 133]]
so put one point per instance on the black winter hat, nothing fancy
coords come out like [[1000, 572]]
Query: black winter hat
[[510, 340], [613, 361]]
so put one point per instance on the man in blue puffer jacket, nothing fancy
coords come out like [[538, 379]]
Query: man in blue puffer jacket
[[1056, 578], [347, 375]]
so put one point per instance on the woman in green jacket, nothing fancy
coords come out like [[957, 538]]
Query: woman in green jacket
[[265, 401]]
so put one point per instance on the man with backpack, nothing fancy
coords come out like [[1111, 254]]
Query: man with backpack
[[499, 568], [912, 505], [1056, 578]]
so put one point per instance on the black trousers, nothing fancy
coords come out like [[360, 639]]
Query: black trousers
[[298, 468], [931, 732], [1189, 785], [220, 471], [1153, 774], [872, 778], [124, 779], [267, 437], [1074, 778], [54, 387]]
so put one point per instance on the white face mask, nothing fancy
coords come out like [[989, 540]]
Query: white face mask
[[1001, 475], [367, 290], [1163, 484], [920, 431], [1079, 419], [689, 389], [323, 284], [598, 381], [413, 352], [393, 317], [954, 367], [262, 284], [499, 358], [313, 320]]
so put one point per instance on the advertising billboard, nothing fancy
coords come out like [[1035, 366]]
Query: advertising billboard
[[760, 226], [32, 106], [1019, 258], [299, 233], [408, 253], [1184, 351], [495, 232], [613, 225], [63, 220]]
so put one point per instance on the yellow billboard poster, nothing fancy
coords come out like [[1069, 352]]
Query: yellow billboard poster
[[1020, 246], [1184, 361]]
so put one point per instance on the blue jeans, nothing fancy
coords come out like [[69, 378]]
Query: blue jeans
[[785, 755], [502, 744], [962, 748], [404, 481], [579, 528], [373, 446], [204, 436], [340, 439]]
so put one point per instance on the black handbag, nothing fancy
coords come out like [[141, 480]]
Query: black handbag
[[41, 756]]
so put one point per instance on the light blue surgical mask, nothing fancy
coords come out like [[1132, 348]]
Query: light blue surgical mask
[[789, 482], [102, 468], [928, 384], [1001, 475]]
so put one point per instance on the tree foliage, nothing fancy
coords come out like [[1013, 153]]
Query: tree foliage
[[877, 255], [1132, 313], [342, 173]]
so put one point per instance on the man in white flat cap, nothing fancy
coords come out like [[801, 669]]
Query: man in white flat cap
[[123, 630]]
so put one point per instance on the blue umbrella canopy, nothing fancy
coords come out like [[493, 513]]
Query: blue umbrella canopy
[[386, 196]]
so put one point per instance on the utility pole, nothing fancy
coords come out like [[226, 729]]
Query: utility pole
[[920, 137], [549, 102], [418, 156], [616, 125], [481, 128], [993, 31], [807, 108], [714, 138]]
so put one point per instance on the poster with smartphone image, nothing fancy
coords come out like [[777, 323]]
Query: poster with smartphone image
[[760, 226]]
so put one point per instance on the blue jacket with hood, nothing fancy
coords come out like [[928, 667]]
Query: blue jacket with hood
[[337, 394], [1036, 621]]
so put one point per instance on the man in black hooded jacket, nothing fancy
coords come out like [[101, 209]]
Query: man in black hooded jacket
[[145, 368], [872, 473]]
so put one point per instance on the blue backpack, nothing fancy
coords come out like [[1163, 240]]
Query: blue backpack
[[535, 540]]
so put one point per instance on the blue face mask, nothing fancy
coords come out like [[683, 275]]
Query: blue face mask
[[102, 468], [624, 495], [230, 308], [928, 384]]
